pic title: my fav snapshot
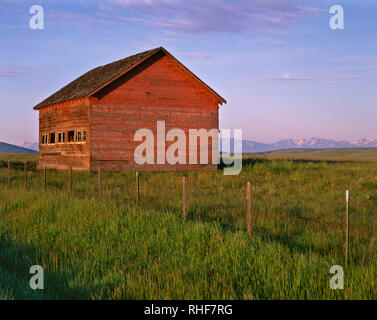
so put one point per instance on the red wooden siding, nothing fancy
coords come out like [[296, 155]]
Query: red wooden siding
[[158, 90]]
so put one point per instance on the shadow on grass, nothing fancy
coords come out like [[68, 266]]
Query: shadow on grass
[[16, 260], [211, 214], [253, 161], [290, 241]]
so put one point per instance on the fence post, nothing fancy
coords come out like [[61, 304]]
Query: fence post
[[249, 209], [8, 173], [184, 197], [347, 247], [100, 184], [70, 180], [137, 188], [25, 170], [45, 177]]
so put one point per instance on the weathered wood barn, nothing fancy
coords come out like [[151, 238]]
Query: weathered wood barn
[[91, 122]]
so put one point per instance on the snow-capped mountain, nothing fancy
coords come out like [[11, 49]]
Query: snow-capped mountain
[[312, 143], [12, 148], [253, 146], [324, 143], [29, 145]]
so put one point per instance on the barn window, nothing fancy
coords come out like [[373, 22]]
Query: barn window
[[44, 138], [81, 135], [52, 138], [61, 137], [71, 136]]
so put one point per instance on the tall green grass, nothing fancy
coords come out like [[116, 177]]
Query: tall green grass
[[116, 250]]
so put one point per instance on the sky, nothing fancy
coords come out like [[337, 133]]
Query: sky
[[283, 71]]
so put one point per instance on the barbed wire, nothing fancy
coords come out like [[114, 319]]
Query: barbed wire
[[277, 195]]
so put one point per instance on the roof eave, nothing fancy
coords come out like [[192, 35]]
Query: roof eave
[[78, 99], [124, 72], [219, 99]]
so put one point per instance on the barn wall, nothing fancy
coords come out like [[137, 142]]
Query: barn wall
[[65, 116], [157, 90]]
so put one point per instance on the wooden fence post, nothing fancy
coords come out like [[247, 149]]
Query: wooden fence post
[[99, 184], [137, 188], [347, 246], [45, 177], [184, 197], [25, 171], [249, 209], [70, 180], [8, 173]]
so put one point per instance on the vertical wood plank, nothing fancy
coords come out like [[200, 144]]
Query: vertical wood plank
[[249, 209]]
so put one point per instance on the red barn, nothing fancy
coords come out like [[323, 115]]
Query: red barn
[[91, 122]]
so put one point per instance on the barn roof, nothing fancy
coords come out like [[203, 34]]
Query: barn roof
[[97, 78]]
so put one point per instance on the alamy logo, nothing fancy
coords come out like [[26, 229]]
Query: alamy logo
[[37, 20], [337, 280], [337, 20], [176, 153], [36, 281]]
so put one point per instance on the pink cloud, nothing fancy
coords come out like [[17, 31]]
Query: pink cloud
[[275, 42], [17, 66], [12, 74], [15, 70], [196, 55], [197, 16], [353, 68], [353, 59], [68, 15], [288, 78]]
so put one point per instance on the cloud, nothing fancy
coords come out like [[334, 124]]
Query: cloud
[[15, 70], [353, 59], [353, 68], [196, 55], [345, 69], [72, 16], [305, 52], [12, 74], [287, 78], [274, 42], [221, 16], [17, 66]]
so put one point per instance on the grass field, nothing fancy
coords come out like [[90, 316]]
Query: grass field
[[115, 249], [345, 154]]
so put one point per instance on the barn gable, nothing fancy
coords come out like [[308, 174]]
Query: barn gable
[[91, 123], [157, 90], [100, 77]]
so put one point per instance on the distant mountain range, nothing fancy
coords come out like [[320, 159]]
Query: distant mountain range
[[11, 148], [249, 146], [29, 145]]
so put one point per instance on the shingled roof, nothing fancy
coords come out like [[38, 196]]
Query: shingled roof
[[97, 78]]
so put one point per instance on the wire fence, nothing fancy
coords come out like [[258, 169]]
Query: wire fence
[[228, 204]]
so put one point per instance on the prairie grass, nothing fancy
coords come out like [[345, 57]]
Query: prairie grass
[[115, 249]]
